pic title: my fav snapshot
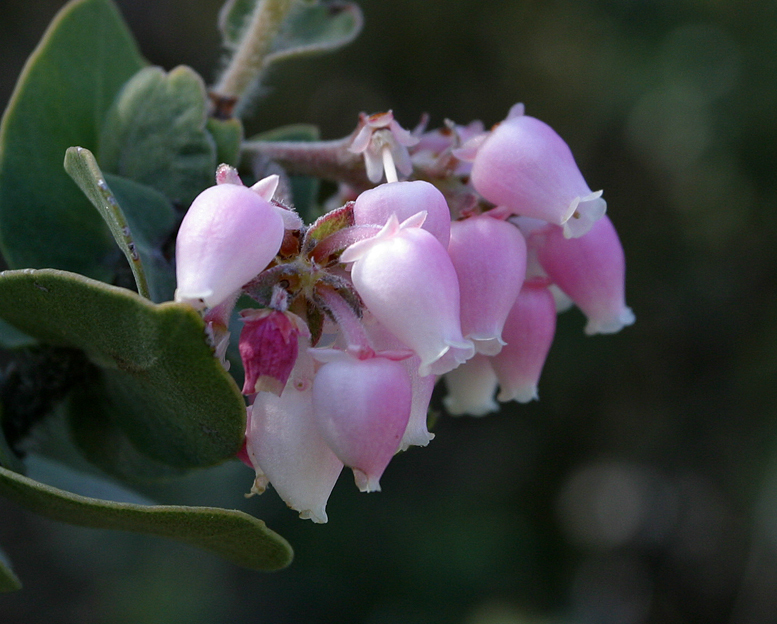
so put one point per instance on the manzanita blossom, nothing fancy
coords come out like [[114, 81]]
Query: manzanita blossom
[[453, 273]]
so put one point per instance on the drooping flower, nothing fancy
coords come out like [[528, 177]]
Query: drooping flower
[[361, 408], [405, 199], [471, 388], [286, 448], [489, 256], [528, 331], [227, 237], [407, 280], [524, 165], [591, 270]]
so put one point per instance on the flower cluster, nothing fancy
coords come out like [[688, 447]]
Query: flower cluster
[[456, 272]]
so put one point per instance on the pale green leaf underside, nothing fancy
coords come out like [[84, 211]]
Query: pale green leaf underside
[[65, 89], [167, 391], [233, 535], [155, 133]]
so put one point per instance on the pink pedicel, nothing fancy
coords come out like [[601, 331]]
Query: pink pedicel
[[489, 256], [528, 331], [404, 199], [524, 165], [228, 236], [406, 279], [591, 270], [364, 430]]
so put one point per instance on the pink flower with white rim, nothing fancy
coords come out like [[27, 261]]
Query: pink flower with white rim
[[489, 256], [406, 279], [229, 235], [591, 270], [529, 332], [471, 388], [362, 408], [405, 199], [524, 165]]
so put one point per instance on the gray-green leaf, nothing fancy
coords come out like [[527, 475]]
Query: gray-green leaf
[[233, 535], [68, 84], [138, 231], [168, 393], [155, 133]]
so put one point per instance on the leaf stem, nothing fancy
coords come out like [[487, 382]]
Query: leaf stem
[[247, 62]]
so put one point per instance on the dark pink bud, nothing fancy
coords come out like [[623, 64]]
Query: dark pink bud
[[268, 348]]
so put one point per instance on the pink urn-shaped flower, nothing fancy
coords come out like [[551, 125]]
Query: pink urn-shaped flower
[[228, 236], [591, 270], [490, 260], [362, 408], [524, 165], [406, 279]]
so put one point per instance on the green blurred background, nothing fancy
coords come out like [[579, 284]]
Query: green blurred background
[[642, 488]]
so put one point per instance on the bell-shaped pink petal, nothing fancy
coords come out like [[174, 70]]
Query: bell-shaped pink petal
[[416, 432], [285, 443], [405, 277], [471, 388], [228, 236], [490, 260], [591, 270], [527, 167], [362, 408], [404, 199], [528, 331]]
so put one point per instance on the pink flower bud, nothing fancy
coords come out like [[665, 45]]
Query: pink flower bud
[[524, 165], [362, 408], [375, 206], [228, 236], [471, 388], [406, 279], [490, 259], [285, 445], [591, 270], [529, 331], [268, 348]]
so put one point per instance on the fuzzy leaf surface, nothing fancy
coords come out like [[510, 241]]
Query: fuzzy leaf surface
[[168, 393], [61, 98]]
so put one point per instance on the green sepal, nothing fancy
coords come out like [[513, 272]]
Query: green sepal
[[8, 580], [233, 535], [61, 98], [139, 231], [168, 393], [155, 134]]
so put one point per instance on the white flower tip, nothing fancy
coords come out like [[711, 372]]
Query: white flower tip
[[365, 483], [456, 407], [521, 394], [488, 346], [266, 187], [226, 174], [583, 213], [316, 515], [418, 439], [291, 220], [611, 326], [196, 300], [414, 221]]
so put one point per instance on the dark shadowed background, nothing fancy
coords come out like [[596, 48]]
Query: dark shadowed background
[[642, 488]]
